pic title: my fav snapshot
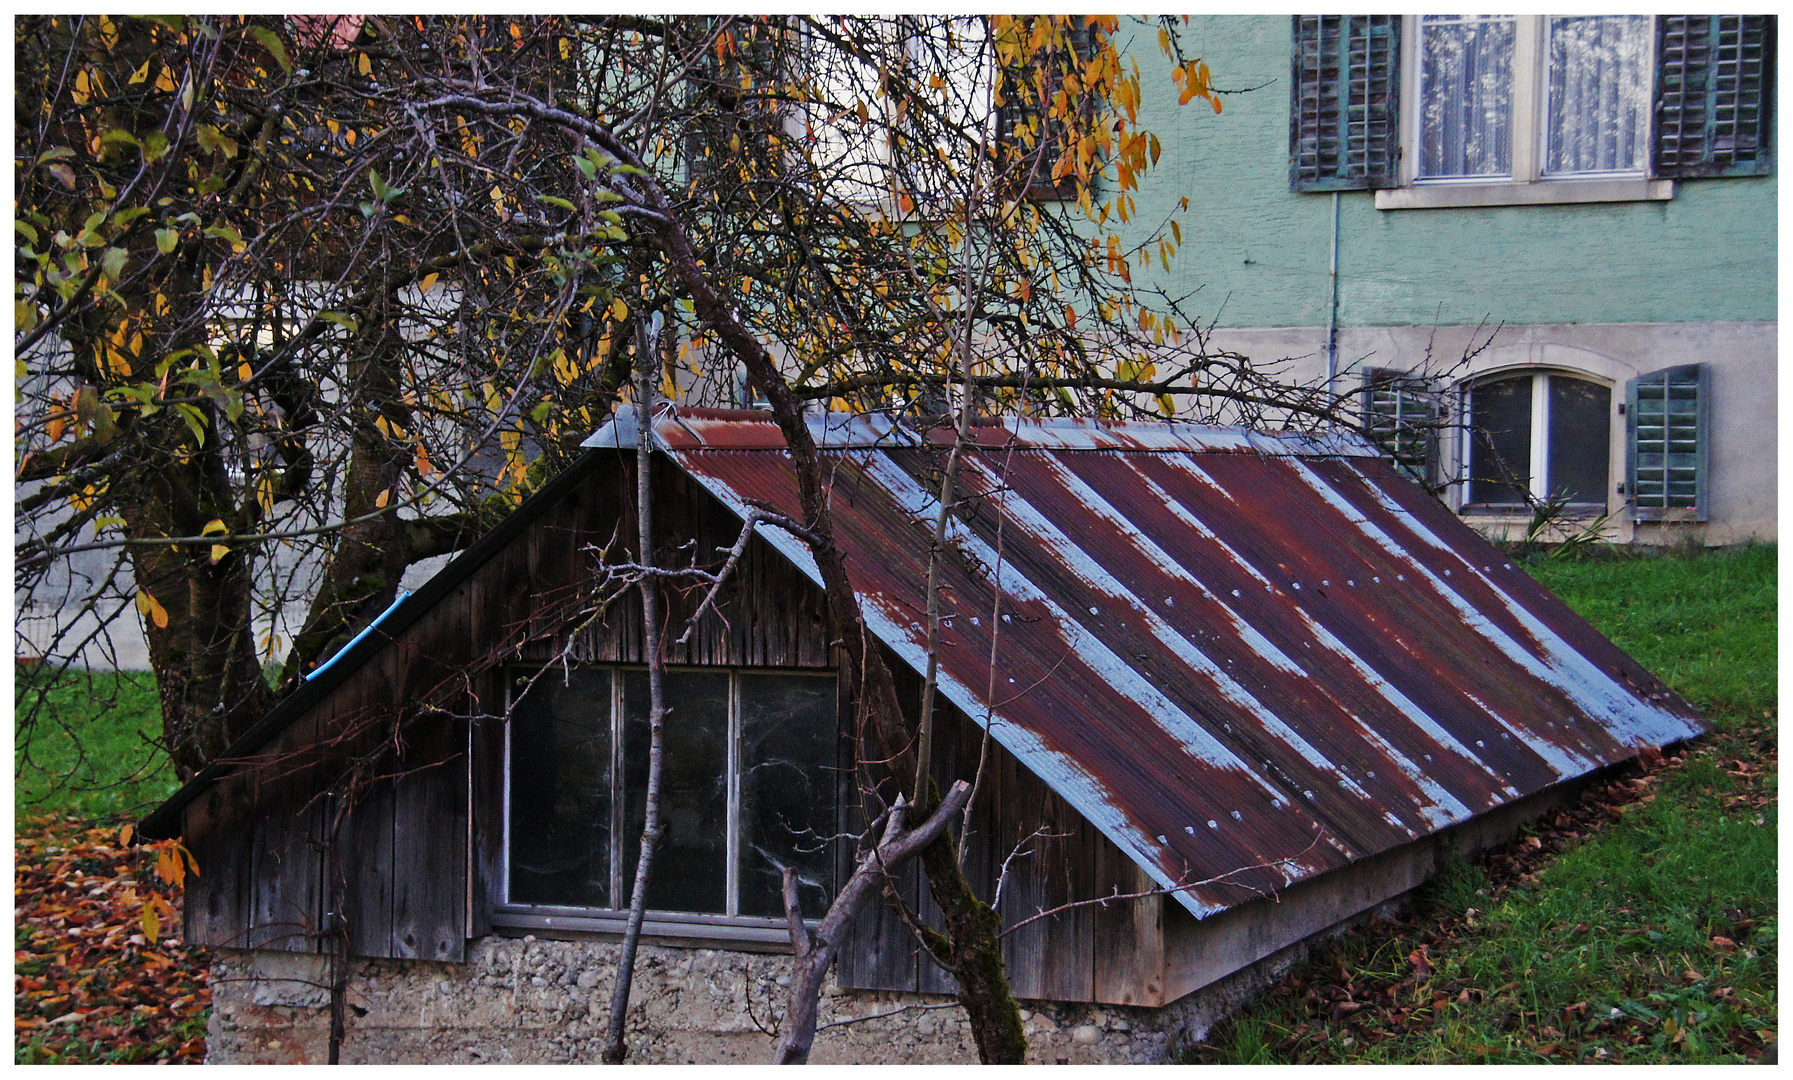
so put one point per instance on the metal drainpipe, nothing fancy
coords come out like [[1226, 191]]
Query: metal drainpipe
[[1332, 309]]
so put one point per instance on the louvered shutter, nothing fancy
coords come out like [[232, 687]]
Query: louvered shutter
[[1344, 101], [1667, 430], [1400, 415], [1714, 95]]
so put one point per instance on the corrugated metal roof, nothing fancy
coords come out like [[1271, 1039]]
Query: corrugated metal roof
[[1242, 657]]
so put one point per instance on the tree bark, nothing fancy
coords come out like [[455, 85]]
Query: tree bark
[[816, 953]]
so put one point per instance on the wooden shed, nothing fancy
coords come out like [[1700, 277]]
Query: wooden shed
[[1263, 680]]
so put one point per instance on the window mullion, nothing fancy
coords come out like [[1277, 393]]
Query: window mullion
[[618, 802], [1529, 62], [504, 863], [1540, 457], [733, 766]]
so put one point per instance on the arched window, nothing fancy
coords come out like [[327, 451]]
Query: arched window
[[1539, 435]]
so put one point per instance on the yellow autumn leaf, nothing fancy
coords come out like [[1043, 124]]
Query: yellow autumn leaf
[[219, 551], [428, 282], [245, 372], [151, 609], [152, 926], [212, 526], [384, 497]]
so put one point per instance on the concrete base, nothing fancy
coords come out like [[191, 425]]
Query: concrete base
[[531, 1001]]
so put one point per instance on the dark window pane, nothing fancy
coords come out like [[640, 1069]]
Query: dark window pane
[[560, 791], [787, 790], [1580, 439], [1500, 441], [691, 866]]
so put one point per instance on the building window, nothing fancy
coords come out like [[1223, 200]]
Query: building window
[[1488, 110], [748, 787], [1491, 87], [1538, 436]]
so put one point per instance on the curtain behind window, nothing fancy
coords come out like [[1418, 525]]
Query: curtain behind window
[[1466, 96], [1598, 95]]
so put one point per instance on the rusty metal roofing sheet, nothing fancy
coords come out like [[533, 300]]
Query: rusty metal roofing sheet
[[1246, 659]]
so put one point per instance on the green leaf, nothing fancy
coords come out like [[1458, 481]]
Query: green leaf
[[225, 232], [586, 168], [194, 418], [381, 191], [166, 239], [29, 233], [54, 153], [347, 322], [125, 217], [118, 135], [271, 42], [155, 146], [555, 200], [113, 263]]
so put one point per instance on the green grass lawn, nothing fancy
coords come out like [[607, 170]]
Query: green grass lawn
[[89, 752], [1652, 939]]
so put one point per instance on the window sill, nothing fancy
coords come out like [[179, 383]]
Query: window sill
[[1542, 192], [1515, 514], [675, 926]]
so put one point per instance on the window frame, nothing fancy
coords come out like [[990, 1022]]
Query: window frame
[[1528, 185], [1539, 478], [732, 928]]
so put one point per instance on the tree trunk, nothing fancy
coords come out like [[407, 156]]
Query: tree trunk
[[616, 1051]]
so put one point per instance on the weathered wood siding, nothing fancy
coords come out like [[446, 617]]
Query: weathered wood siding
[[1112, 953], [410, 862]]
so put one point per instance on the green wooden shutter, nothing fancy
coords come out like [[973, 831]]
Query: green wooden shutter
[[1344, 102], [1714, 95], [1667, 434], [1400, 415]]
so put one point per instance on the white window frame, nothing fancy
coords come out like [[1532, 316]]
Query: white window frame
[[1527, 185], [1539, 465], [731, 927]]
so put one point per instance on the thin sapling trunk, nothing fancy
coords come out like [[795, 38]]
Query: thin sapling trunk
[[646, 378]]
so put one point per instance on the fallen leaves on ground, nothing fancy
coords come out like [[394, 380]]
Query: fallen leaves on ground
[[89, 986]]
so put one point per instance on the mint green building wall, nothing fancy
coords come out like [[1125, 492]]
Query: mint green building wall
[[1260, 252]]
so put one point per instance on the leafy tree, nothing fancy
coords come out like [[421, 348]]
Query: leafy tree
[[304, 301]]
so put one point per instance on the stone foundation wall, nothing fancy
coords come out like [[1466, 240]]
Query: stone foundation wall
[[535, 1001]]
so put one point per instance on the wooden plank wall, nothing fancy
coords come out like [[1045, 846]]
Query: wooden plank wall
[[414, 867], [1111, 953]]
